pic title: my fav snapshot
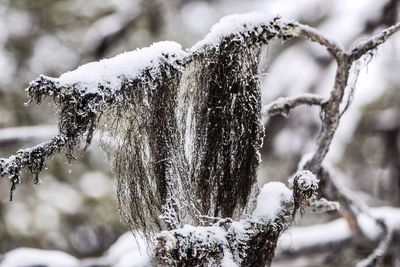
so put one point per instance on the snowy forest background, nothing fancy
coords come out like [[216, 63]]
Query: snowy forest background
[[74, 210]]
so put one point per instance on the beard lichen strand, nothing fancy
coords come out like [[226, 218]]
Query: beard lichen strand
[[78, 114], [223, 98], [226, 103], [148, 162]]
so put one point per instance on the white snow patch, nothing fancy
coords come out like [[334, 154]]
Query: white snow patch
[[193, 12], [203, 233], [129, 65], [46, 218], [96, 185], [50, 54], [270, 200], [369, 226], [128, 251], [310, 236], [8, 67], [232, 24], [65, 198], [18, 219], [227, 260], [28, 133], [36, 257]]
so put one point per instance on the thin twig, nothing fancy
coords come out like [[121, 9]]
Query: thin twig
[[331, 111], [283, 105], [351, 208], [376, 256], [373, 42], [313, 35]]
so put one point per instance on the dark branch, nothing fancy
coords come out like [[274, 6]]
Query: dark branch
[[31, 158]]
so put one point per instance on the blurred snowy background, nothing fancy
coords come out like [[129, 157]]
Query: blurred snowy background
[[74, 209]]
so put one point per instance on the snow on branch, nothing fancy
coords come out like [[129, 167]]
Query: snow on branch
[[222, 74], [117, 85], [385, 240]]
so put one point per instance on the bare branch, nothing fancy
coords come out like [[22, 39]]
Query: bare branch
[[331, 116], [331, 111], [283, 105], [313, 35], [373, 42], [376, 256], [351, 209], [325, 237]]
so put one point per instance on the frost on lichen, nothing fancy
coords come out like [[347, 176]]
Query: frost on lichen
[[136, 92], [223, 122]]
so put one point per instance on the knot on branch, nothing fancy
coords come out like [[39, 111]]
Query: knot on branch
[[305, 186]]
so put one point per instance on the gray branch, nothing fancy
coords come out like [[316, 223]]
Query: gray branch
[[31, 158], [373, 42], [331, 111], [376, 256], [283, 105]]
